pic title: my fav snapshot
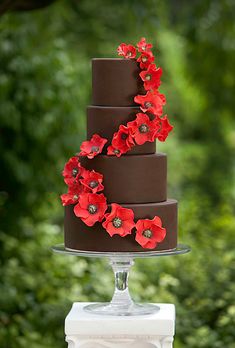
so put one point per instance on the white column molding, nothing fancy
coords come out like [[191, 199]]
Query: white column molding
[[72, 341], [112, 344], [86, 330], [167, 342]]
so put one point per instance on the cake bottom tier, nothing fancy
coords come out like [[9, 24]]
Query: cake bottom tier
[[78, 236]]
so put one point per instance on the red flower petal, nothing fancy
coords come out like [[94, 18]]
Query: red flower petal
[[122, 140], [91, 208], [127, 51], [120, 221], [151, 102], [93, 147], [150, 232], [125, 214], [73, 194], [166, 128], [159, 233], [83, 201], [72, 170], [143, 129], [112, 151], [80, 212], [128, 225], [157, 221], [143, 46], [145, 60], [68, 199], [92, 181], [151, 77]]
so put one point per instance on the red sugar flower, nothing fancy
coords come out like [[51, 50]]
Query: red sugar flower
[[151, 77], [143, 46], [73, 194], [151, 102], [143, 129], [93, 147], [166, 127], [119, 221], [145, 60], [72, 170], [92, 181], [112, 151], [122, 140], [127, 51], [150, 232], [91, 208]]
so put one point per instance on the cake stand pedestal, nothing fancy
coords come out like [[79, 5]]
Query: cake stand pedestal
[[122, 323], [121, 303]]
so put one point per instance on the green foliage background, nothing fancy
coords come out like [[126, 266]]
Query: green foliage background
[[44, 89]]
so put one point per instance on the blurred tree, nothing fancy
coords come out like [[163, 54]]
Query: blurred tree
[[42, 122], [41, 114]]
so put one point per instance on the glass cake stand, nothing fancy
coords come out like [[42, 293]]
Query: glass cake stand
[[121, 262]]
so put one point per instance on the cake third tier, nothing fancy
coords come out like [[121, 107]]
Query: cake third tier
[[132, 179]]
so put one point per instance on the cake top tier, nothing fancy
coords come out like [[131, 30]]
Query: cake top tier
[[115, 81]]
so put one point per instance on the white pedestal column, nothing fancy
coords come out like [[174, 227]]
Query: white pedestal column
[[86, 330]]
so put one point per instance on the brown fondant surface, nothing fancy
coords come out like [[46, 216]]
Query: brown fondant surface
[[132, 179], [115, 81], [105, 121], [78, 236]]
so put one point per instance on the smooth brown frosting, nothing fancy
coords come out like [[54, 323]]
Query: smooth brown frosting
[[132, 179], [115, 81], [79, 236]]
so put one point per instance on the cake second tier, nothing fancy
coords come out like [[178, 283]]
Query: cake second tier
[[105, 121], [132, 179]]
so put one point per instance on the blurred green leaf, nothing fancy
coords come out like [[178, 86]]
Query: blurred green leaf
[[45, 85]]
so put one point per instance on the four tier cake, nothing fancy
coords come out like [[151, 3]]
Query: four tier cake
[[117, 184]]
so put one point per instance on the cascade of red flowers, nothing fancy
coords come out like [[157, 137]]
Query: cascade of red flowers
[[84, 186], [143, 128]]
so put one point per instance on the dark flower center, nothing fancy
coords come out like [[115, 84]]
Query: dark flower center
[[147, 233], [117, 222], [143, 128], [93, 184], [95, 149], [148, 77], [128, 53], [123, 136], [74, 172], [92, 208], [148, 105], [144, 59], [116, 151], [75, 197]]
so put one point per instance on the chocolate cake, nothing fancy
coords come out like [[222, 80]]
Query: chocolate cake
[[137, 180]]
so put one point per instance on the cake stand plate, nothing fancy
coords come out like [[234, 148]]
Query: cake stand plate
[[121, 262]]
